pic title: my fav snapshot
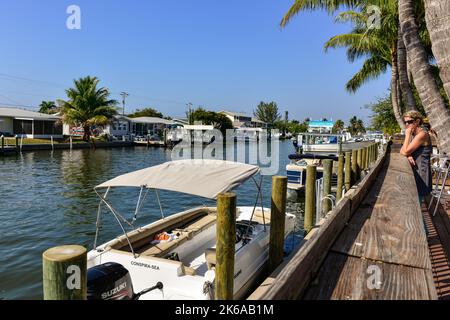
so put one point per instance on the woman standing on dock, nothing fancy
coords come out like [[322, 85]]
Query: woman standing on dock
[[418, 148]]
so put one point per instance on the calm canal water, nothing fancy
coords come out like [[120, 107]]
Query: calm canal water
[[47, 199]]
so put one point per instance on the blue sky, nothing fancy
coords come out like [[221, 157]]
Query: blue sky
[[217, 54]]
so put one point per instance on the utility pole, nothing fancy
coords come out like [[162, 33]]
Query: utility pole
[[124, 95], [189, 105]]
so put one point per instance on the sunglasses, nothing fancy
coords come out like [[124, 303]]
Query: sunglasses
[[409, 121]]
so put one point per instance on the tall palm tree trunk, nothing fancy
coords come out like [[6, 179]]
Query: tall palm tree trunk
[[425, 83], [395, 97], [437, 16], [407, 93]]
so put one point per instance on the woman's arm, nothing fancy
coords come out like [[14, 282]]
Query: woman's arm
[[409, 147], [406, 141]]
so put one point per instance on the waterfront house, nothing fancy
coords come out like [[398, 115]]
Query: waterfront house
[[241, 120], [29, 124], [320, 126], [143, 126]]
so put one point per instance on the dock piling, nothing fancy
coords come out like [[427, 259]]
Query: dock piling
[[3, 143], [277, 221], [327, 173], [310, 198], [64, 273], [226, 239], [354, 175], [340, 177], [348, 171], [359, 163]]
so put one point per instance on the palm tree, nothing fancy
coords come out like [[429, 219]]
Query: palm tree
[[378, 46], [437, 13], [424, 80], [356, 126], [87, 105], [48, 107], [339, 125]]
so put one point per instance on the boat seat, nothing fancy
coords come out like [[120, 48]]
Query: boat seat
[[161, 249], [139, 237], [201, 224]]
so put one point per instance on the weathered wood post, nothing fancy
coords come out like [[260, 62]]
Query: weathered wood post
[[226, 239], [372, 154], [348, 170], [64, 273], [366, 164], [359, 161], [340, 177], [354, 177], [310, 198], [277, 221], [363, 158], [327, 173], [17, 144], [3, 143]]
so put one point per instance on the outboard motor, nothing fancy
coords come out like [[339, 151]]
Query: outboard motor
[[111, 281]]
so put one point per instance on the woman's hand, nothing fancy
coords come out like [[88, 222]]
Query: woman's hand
[[408, 131]]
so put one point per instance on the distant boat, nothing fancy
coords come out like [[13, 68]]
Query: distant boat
[[313, 148]]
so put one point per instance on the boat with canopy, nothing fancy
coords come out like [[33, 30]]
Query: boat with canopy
[[175, 256]]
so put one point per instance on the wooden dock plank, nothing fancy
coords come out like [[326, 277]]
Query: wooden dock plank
[[388, 225], [349, 278], [386, 233]]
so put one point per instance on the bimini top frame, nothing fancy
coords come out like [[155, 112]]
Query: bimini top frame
[[204, 178]]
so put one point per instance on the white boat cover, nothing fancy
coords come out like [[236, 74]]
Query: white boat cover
[[200, 177]]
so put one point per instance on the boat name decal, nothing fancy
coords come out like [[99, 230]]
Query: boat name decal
[[141, 264]]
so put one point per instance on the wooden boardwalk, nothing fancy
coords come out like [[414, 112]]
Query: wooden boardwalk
[[382, 252]]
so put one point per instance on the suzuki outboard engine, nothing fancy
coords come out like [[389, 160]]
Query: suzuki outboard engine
[[109, 281]]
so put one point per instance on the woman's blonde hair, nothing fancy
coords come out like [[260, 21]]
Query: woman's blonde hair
[[414, 115]]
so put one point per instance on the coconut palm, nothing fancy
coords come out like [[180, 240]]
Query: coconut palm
[[87, 105], [338, 127], [48, 107], [356, 126], [437, 13], [378, 46], [424, 80]]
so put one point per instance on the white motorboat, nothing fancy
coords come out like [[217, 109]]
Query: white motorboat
[[327, 143], [175, 257]]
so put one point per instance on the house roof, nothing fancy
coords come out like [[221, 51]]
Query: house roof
[[26, 114], [151, 120], [257, 120], [320, 123], [239, 114]]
